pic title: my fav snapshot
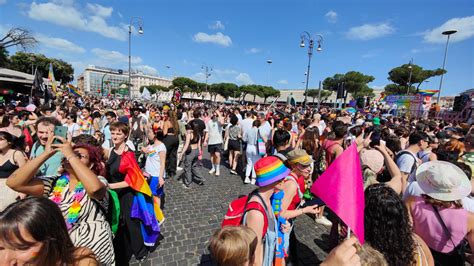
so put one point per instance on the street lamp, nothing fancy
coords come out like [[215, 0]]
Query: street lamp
[[139, 23], [307, 38], [207, 71], [269, 62], [448, 32], [409, 78]]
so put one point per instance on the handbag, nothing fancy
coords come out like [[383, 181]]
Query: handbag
[[262, 150], [456, 256]]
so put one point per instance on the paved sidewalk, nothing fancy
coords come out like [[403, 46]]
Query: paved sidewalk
[[193, 215]]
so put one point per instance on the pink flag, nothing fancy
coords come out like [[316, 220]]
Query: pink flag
[[341, 188]]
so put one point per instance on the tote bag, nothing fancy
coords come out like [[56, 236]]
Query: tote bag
[[262, 150]]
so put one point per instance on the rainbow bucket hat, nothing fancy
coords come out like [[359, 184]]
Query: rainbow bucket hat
[[269, 170]]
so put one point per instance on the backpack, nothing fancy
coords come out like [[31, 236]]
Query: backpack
[[400, 153], [238, 207]]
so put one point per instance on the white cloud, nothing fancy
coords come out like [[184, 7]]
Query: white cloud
[[464, 26], [59, 44], [146, 69], [244, 79], [63, 13], [253, 51], [370, 31], [331, 16], [217, 25], [218, 38], [371, 54], [283, 81], [199, 77], [99, 10], [114, 57], [3, 2], [221, 72]]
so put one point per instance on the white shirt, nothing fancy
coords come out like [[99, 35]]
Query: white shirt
[[266, 130], [246, 125], [214, 129], [153, 161]]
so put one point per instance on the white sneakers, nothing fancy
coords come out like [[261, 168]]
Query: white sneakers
[[212, 171], [323, 220], [247, 180], [253, 181]]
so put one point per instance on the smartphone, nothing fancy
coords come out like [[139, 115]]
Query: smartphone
[[60, 131], [375, 139], [315, 201]]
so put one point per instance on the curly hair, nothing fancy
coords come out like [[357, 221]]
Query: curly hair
[[387, 227], [309, 143]]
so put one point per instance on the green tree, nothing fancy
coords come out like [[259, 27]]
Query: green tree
[[24, 61], [400, 76], [3, 57], [314, 93], [267, 92], [223, 89], [187, 85], [246, 89], [354, 82]]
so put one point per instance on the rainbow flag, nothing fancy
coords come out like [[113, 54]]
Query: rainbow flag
[[74, 90], [144, 207], [428, 92], [51, 78]]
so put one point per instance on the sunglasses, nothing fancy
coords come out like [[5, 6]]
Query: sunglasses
[[81, 156]]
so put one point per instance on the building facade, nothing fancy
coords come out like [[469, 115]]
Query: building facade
[[102, 80]]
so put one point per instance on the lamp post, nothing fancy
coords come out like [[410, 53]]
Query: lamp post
[[139, 23], [207, 71], [409, 78], [448, 33], [306, 37], [269, 62]]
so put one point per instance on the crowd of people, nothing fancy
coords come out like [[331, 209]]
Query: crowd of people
[[77, 176]]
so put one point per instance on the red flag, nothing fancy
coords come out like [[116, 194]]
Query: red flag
[[341, 187]]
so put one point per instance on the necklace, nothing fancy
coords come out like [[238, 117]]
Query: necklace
[[79, 193]]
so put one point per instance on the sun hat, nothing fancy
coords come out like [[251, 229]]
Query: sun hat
[[299, 157], [372, 159], [443, 181], [269, 170]]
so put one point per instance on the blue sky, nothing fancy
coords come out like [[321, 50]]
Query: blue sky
[[237, 38]]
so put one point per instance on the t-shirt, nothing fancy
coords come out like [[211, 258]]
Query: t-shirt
[[71, 129], [405, 163], [153, 161], [246, 125], [413, 189], [214, 129], [266, 130], [49, 167]]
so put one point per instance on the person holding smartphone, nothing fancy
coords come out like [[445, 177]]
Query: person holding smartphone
[[44, 126]]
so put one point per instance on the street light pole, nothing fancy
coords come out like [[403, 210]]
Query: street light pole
[[269, 62], [448, 32], [409, 78], [139, 22], [306, 37], [207, 72]]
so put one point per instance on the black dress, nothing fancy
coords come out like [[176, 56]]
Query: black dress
[[128, 239], [171, 142]]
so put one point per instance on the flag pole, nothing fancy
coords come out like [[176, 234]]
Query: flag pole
[[32, 86]]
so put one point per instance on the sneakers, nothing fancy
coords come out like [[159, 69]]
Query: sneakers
[[233, 172], [323, 220], [179, 168], [253, 181], [212, 171], [247, 180], [186, 187], [218, 173]]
